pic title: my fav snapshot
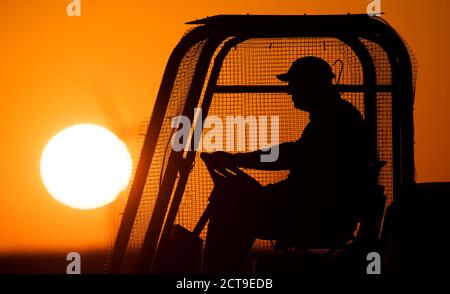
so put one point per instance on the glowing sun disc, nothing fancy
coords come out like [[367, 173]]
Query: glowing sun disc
[[85, 166]]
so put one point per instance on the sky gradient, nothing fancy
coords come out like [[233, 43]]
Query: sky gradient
[[105, 67]]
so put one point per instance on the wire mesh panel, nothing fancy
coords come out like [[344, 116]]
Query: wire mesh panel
[[247, 87], [258, 61], [159, 162]]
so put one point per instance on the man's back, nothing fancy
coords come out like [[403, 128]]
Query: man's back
[[329, 163]]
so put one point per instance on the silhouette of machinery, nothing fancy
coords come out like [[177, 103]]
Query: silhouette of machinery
[[227, 65]]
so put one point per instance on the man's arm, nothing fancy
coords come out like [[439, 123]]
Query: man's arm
[[254, 159]]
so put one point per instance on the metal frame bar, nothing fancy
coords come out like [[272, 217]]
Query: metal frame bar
[[184, 175], [284, 89], [370, 90], [148, 249]]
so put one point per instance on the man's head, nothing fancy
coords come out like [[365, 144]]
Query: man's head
[[310, 82]]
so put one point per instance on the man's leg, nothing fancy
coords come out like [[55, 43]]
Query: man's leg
[[238, 218], [231, 233]]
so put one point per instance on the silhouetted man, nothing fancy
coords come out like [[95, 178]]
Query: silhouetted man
[[317, 205]]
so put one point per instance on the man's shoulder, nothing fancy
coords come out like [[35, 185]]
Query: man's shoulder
[[348, 110], [347, 106]]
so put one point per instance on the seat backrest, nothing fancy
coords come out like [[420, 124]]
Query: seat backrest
[[372, 209]]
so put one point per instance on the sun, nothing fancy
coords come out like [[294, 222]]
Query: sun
[[85, 166]]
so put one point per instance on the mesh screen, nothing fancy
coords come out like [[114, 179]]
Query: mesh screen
[[142, 129], [162, 151], [256, 62]]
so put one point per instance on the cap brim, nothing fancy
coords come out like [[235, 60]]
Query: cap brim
[[283, 77]]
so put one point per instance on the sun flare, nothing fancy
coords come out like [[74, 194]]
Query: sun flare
[[85, 166]]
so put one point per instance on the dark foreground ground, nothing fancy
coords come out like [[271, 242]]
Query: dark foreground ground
[[92, 262]]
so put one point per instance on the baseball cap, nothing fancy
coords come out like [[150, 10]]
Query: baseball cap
[[309, 67]]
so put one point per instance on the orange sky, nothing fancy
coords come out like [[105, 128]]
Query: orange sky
[[56, 71]]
